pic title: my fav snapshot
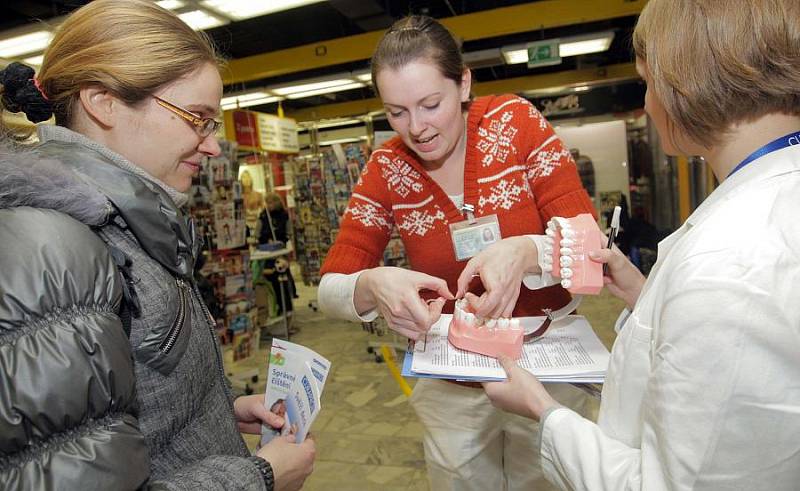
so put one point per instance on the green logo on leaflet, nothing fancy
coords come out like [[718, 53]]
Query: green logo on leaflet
[[277, 359]]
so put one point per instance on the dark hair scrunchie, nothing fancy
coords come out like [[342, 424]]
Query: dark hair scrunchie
[[20, 93]]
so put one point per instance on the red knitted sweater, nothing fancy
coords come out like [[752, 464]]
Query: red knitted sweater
[[515, 168]]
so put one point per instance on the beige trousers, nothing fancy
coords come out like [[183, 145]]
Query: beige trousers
[[471, 445]]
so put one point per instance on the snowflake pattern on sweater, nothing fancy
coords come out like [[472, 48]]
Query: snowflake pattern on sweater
[[400, 176], [498, 146], [367, 212], [495, 141], [419, 222]]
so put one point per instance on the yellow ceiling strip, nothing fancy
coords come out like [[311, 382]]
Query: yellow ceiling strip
[[502, 21], [612, 73]]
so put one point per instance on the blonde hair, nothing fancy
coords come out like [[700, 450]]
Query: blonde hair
[[716, 63], [130, 47], [274, 199]]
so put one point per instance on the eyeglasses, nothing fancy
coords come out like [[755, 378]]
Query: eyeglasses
[[204, 126]]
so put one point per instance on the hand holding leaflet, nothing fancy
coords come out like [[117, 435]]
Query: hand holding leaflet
[[295, 379]]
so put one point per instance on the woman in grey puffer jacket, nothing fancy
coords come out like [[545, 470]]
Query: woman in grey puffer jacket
[[94, 244]]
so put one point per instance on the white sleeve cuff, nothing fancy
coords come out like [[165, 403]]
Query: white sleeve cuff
[[335, 296]]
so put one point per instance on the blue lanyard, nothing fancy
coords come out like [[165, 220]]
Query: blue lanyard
[[775, 145]]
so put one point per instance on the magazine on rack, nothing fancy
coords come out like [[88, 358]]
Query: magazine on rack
[[569, 352], [295, 378]]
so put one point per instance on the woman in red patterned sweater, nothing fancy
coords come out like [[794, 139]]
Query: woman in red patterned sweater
[[493, 155]]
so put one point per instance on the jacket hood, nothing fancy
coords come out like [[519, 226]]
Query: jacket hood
[[80, 182], [28, 178]]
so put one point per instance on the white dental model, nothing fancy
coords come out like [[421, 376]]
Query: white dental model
[[491, 337], [571, 241]]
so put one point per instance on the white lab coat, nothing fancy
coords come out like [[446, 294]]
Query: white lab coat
[[703, 387]]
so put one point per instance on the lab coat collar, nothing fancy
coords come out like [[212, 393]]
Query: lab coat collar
[[771, 165]]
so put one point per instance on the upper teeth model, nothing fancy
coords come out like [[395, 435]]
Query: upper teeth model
[[572, 241], [491, 337]]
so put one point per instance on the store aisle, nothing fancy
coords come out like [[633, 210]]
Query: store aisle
[[367, 435]]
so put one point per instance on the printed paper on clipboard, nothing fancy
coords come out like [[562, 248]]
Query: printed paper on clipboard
[[569, 352]]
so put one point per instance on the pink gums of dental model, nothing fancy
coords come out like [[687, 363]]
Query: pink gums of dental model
[[493, 337], [574, 238]]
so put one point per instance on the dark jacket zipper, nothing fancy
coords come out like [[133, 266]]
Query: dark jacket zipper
[[175, 330], [212, 325]]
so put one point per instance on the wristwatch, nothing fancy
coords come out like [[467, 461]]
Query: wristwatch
[[266, 471]]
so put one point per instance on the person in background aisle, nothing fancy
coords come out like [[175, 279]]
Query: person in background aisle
[[495, 158], [113, 376], [702, 390], [275, 229], [253, 203]]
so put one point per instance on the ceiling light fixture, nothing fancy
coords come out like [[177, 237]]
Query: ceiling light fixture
[[25, 44], [34, 60], [310, 86], [247, 100], [363, 76], [331, 123], [327, 90], [245, 9], [200, 19], [571, 46], [170, 4], [342, 140]]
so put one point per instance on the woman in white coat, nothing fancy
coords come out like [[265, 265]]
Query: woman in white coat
[[703, 387]]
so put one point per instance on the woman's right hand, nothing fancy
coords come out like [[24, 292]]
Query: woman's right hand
[[623, 280], [291, 462], [395, 293]]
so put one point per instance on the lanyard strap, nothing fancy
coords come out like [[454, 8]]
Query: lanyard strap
[[773, 146]]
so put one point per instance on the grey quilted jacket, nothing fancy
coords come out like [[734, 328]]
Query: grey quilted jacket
[[82, 404]]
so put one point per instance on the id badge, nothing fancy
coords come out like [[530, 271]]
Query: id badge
[[471, 238]]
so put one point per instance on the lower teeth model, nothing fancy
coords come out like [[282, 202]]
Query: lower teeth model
[[573, 240], [491, 337]]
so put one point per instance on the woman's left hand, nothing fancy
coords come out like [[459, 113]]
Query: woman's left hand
[[501, 267], [521, 393], [251, 413]]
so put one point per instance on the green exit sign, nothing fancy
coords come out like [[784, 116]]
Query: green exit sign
[[544, 53]]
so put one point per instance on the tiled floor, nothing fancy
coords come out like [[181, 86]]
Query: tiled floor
[[367, 435]]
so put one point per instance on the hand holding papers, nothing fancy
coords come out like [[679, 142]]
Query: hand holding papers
[[569, 352], [295, 378]]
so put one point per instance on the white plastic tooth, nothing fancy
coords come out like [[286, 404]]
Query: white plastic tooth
[[514, 324], [566, 261], [470, 318], [566, 283], [550, 232], [566, 273], [562, 222], [491, 323], [568, 233], [502, 323], [548, 249], [566, 251], [547, 267], [567, 242]]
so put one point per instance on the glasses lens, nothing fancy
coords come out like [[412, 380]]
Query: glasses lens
[[209, 126]]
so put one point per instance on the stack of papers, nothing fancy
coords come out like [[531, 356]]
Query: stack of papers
[[569, 352]]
